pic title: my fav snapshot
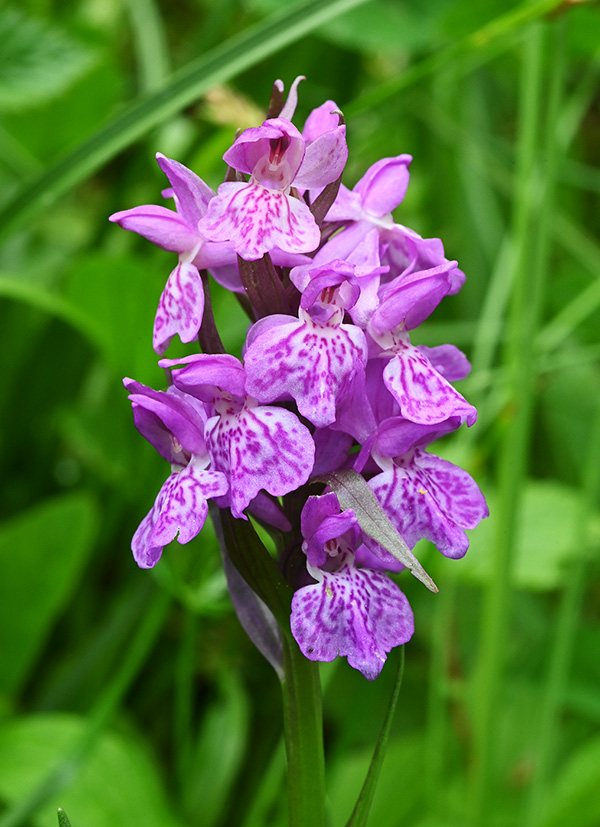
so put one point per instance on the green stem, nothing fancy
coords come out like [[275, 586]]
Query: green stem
[[303, 728]]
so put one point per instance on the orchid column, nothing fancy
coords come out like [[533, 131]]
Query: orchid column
[[319, 434]]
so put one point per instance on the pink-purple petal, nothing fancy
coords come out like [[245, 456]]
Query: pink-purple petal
[[424, 396], [256, 220], [261, 447], [191, 193], [310, 362], [180, 308], [159, 225], [179, 511], [428, 497], [324, 160], [384, 185], [355, 613]]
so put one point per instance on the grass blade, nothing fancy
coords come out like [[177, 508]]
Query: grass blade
[[187, 85]]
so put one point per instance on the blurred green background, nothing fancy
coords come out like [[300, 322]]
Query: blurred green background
[[133, 698]]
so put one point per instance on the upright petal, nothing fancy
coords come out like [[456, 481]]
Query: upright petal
[[190, 192]]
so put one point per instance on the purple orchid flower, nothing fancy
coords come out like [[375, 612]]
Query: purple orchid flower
[[353, 612], [425, 496], [257, 447], [174, 424], [423, 393], [262, 214], [314, 358]]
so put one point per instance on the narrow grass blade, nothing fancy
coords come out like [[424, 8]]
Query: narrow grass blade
[[187, 85], [360, 813]]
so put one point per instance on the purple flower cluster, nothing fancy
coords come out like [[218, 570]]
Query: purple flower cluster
[[329, 378]]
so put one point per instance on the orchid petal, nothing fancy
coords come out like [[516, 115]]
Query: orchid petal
[[190, 192], [422, 393], [310, 362], [355, 613], [179, 511], [261, 447], [180, 308], [159, 225], [428, 497], [257, 219]]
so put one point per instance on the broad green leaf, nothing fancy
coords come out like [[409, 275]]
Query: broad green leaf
[[353, 492], [117, 785], [42, 554], [546, 539], [185, 87], [37, 60]]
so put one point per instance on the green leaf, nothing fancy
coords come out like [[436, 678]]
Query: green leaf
[[42, 554], [353, 492], [361, 811], [117, 785], [187, 85], [63, 819], [37, 60]]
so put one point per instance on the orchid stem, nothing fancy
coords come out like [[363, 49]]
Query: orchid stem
[[303, 728]]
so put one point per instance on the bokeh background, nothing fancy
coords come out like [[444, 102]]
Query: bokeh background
[[133, 698]]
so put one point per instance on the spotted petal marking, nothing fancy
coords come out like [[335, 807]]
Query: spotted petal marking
[[261, 447], [423, 394], [257, 219], [313, 363], [358, 613], [180, 308], [179, 510], [428, 497]]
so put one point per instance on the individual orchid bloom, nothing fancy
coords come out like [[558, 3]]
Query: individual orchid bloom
[[262, 214], [257, 447], [313, 358], [381, 189], [353, 612], [181, 304], [425, 496], [424, 394], [174, 424]]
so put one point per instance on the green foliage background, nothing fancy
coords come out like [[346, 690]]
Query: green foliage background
[[133, 698]]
